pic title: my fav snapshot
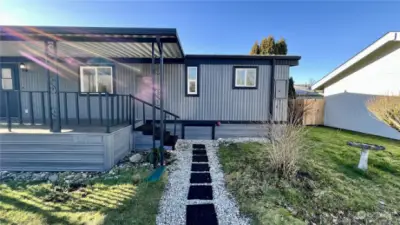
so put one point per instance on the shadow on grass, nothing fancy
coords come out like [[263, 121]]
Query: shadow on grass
[[384, 166], [118, 201], [347, 164], [49, 218], [141, 209], [4, 221]]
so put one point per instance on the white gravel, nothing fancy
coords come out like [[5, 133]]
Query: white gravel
[[172, 209]]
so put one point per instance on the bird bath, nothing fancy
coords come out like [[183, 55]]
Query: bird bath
[[363, 164]]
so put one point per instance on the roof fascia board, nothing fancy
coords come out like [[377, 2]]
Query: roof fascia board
[[90, 30], [391, 36]]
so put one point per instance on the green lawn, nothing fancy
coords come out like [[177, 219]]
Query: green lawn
[[328, 189], [107, 201]]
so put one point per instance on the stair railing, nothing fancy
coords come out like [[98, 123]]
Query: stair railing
[[144, 103]]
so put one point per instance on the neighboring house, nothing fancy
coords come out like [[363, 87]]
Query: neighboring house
[[76, 98], [373, 71], [303, 91]]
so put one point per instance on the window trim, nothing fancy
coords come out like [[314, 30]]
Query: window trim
[[234, 86], [113, 72], [187, 94]]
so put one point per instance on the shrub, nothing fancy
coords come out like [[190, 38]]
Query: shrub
[[287, 149], [386, 109]]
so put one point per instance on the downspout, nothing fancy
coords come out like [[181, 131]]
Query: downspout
[[272, 88]]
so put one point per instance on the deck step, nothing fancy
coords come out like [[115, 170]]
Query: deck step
[[171, 141], [145, 126], [167, 134]]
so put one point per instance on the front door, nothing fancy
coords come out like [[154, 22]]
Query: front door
[[9, 83]]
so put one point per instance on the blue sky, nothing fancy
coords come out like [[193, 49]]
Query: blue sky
[[325, 33]]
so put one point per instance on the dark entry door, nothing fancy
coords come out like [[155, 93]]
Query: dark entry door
[[9, 82]]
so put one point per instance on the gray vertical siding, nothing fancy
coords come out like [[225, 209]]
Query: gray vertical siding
[[217, 100], [122, 143], [52, 152], [36, 80], [63, 151]]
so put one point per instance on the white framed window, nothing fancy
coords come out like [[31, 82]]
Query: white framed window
[[192, 81], [6, 79], [245, 77], [96, 79]]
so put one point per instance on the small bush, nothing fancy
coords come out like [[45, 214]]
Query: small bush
[[287, 149]]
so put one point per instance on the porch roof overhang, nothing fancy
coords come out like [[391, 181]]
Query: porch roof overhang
[[90, 42]]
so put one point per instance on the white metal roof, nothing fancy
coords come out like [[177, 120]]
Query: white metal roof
[[18, 41], [391, 36]]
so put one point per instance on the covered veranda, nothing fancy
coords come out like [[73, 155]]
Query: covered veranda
[[50, 106]]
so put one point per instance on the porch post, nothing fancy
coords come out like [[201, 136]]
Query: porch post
[[153, 81], [53, 86], [160, 44]]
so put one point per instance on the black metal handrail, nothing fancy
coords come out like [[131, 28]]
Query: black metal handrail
[[109, 109], [149, 104], [112, 109], [166, 112]]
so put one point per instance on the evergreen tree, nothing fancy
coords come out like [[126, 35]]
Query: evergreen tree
[[255, 50], [267, 46], [292, 91], [281, 47]]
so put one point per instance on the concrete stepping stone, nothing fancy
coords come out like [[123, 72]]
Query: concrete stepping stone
[[199, 178], [203, 214], [199, 152], [199, 158], [201, 192], [198, 146], [200, 167]]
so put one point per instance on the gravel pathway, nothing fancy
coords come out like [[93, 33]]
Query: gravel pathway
[[172, 209]]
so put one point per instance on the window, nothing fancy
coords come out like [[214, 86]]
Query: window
[[245, 77], [192, 84], [6, 79], [96, 79]]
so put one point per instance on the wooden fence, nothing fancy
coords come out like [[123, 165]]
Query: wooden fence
[[311, 111]]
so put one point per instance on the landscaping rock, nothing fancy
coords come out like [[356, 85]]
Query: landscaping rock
[[361, 215], [69, 177], [136, 178], [53, 178], [135, 158], [112, 172], [40, 176], [3, 174]]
